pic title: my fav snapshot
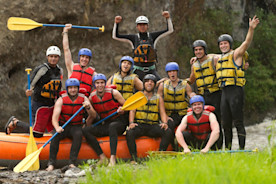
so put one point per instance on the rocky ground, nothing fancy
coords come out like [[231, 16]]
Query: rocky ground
[[257, 137]]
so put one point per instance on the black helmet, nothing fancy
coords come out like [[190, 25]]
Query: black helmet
[[200, 43], [151, 77], [226, 37]]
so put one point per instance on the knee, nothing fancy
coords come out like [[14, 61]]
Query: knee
[[85, 131], [37, 135]]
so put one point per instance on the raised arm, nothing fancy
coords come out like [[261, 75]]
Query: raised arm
[[239, 52], [67, 53]]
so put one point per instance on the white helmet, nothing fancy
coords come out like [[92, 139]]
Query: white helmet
[[53, 50], [142, 20]]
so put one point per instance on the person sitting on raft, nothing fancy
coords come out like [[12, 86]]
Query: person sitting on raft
[[106, 101], [65, 107], [45, 87], [203, 127]]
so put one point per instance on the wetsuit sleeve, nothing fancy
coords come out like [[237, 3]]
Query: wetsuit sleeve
[[130, 38], [160, 34], [37, 74]]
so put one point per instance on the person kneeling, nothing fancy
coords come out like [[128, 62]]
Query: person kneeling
[[202, 125], [66, 106]]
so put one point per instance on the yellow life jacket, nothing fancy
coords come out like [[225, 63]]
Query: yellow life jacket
[[205, 75], [148, 113], [124, 85], [228, 73], [175, 99], [51, 89]]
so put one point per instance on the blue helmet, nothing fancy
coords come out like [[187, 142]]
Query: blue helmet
[[197, 98], [99, 76], [86, 52], [226, 37], [126, 58], [171, 66], [72, 82]]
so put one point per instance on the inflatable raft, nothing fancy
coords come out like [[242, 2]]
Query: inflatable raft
[[13, 147]]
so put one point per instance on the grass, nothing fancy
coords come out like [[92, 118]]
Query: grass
[[210, 168]]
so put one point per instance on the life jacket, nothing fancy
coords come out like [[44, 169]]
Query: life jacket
[[175, 99], [144, 52], [69, 108], [105, 105], [228, 73], [200, 128], [148, 113], [52, 88], [84, 76], [124, 85], [205, 75]]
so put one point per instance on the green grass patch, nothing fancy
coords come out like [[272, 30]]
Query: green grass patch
[[210, 168]]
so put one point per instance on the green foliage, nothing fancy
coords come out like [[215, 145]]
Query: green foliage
[[197, 168]]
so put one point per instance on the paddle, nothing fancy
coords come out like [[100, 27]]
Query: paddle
[[31, 146], [174, 153], [29, 160], [24, 24], [133, 102]]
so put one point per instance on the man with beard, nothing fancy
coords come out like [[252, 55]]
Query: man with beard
[[143, 43], [204, 73], [125, 81], [144, 121], [65, 107], [203, 128], [231, 78], [81, 71], [175, 92], [106, 101]]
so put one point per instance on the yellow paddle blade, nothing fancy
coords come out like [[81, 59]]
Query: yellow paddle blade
[[135, 101], [27, 162], [22, 24], [32, 147]]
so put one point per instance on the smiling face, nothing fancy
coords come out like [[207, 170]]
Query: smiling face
[[142, 27], [224, 46], [199, 52], [173, 75], [149, 85], [100, 85], [84, 60], [73, 90], [53, 60], [125, 66], [197, 107]]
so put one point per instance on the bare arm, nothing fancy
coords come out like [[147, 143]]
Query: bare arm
[[189, 91], [67, 53], [138, 84], [56, 114], [192, 75], [160, 89], [163, 115], [109, 81], [239, 52], [214, 134], [117, 95], [131, 119], [179, 135], [90, 110]]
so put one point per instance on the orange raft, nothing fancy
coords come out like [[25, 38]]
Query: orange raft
[[13, 147]]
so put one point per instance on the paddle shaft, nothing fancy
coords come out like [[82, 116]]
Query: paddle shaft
[[73, 26], [65, 124], [29, 97]]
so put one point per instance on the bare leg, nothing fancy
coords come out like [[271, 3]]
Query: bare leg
[[112, 160], [50, 168]]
